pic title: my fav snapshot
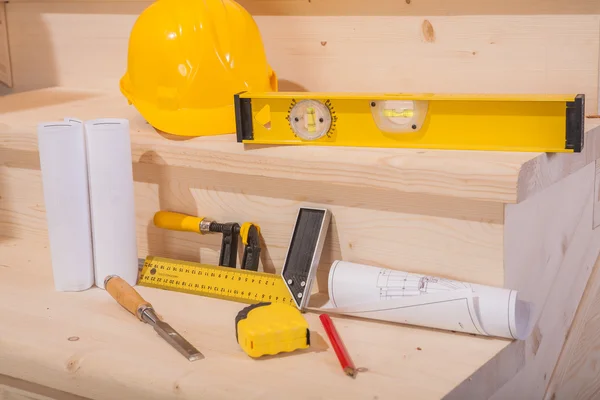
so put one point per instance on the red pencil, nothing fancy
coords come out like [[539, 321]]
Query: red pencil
[[338, 346]]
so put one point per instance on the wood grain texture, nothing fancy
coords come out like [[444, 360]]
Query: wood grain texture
[[576, 374], [5, 65], [496, 373], [444, 240], [111, 358], [437, 229], [597, 196], [417, 7], [534, 251], [18, 389], [483, 53], [405, 7], [577, 253], [476, 176], [470, 54], [8, 393]]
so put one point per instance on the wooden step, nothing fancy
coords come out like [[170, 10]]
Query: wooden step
[[520, 220]]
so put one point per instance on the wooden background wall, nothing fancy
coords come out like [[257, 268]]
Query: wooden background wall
[[538, 46]]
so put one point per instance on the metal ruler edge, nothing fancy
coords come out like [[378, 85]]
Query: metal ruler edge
[[214, 281]]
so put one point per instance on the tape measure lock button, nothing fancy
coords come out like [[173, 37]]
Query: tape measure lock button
[[268, 329]]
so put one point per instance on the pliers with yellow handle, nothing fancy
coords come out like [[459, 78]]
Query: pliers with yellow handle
[[249, 232]]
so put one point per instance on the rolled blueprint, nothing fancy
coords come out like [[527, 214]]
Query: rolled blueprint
[[111, 199], [422, 300], [62, 155]]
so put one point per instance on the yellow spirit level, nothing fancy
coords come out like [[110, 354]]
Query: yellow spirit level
[[540, 123]]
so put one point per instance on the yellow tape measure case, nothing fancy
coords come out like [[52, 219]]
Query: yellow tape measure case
[[268, 329]]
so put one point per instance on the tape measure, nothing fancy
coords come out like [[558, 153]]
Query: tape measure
[[541, 123], [225, 283], [268, 329]]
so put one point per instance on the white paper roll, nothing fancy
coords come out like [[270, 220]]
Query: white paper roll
[[62, 155], [112, 199], [398, 296]]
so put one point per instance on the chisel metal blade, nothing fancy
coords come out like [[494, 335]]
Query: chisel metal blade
[[177, 341], [172, 337]]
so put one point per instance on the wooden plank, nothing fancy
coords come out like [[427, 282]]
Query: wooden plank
[[111, 359], [544, 170], [5, 65], [405, 7], [8, 393], [597, 197], [496, 373], [489, 53], [226, 178], [540, 231], [471, 50], [432, 235], [417, 7], [466, 175], [17, 389], [475, 176], [563, 289], [576, 374]]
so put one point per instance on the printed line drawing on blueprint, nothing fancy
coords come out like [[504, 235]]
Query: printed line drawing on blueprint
[[393, 284]]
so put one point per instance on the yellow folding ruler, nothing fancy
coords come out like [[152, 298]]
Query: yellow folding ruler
[[541, 123], [226, 283]]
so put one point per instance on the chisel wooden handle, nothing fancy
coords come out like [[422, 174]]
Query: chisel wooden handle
[[177, 222], [126, 295]]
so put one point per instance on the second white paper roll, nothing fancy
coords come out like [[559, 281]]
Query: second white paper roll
[[112, 199], [61, 147]]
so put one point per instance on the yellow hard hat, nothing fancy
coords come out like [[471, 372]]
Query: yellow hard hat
[[186, 61]]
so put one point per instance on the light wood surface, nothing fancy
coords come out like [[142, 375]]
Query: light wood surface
[[559, 285], [557, 220], [550, 260], [116, 356], [575, 376], [5, 66], [379, 212], [477, 176], [18, 389], [470, 230], [463, 53], [422, 7]]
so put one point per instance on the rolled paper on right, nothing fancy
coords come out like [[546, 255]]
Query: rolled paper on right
[[422, 300]]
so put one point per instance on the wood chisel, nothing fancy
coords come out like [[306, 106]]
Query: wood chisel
[[133, 302]]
